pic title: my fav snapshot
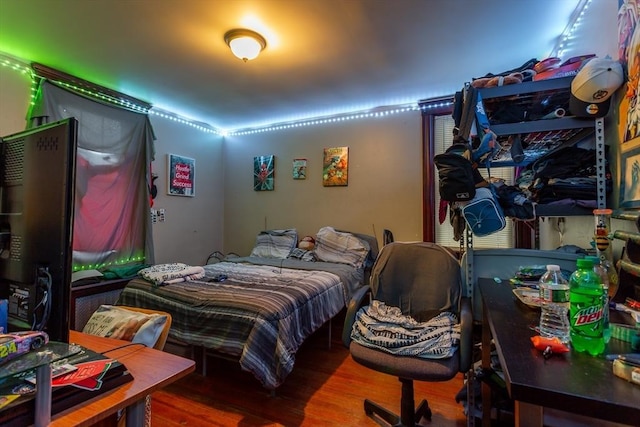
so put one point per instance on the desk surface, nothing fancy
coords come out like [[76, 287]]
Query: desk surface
[[573, 382], [151, 370]]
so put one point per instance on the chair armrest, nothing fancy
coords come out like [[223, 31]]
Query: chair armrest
[[466, 334], [354, 305]]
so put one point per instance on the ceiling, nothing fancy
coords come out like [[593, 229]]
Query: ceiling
[[323, 57]]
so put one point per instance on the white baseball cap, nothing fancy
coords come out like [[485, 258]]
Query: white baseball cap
[[592, 87]]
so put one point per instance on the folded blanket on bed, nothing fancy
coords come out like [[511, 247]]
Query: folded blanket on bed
[[385, 328], [164, 274]]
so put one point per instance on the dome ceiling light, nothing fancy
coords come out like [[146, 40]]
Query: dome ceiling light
[[245, 44]]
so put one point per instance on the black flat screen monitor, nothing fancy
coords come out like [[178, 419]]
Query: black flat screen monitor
[[37, 187]]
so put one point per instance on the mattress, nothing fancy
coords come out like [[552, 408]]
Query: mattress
[[260, 313]]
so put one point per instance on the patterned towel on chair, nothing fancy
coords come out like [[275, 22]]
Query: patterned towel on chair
[[385, 328]]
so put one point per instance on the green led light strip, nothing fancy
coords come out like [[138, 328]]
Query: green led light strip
[[98, 266]]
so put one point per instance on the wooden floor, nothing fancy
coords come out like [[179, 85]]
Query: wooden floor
[[326, 388]]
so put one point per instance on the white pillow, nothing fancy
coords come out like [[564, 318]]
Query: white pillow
[[117, 322], [340, 247]]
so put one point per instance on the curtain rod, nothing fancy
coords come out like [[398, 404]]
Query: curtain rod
[[56, 75]]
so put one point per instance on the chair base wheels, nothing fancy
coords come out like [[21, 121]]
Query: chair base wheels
[[373, 410]]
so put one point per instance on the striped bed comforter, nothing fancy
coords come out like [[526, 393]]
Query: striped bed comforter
[[260, 313]]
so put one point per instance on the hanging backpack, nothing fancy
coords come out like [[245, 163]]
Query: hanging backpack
[[456, 175]]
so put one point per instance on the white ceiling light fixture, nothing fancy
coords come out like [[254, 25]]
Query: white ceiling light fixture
[[245, 44]]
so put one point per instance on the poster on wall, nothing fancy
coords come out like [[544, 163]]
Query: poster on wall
[[181, 175], [629, 122], [629, 56], [263, 173], [299, 168], [335, 167]]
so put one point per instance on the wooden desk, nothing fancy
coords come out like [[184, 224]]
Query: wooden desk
[[151, 370], [572, 382]]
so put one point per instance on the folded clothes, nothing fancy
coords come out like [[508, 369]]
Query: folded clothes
[[164, 274]]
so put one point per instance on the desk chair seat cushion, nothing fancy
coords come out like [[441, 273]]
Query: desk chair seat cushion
[[121, 323], [415, 368]]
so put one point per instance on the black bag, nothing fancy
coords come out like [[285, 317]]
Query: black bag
[[457, 176]]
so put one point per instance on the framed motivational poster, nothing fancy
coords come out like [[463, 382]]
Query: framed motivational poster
[[181, 175]]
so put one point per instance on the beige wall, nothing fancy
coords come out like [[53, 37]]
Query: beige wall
[[194, 225], [384, 191], [14, 100]]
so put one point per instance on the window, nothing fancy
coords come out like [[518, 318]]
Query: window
[[443, 131]]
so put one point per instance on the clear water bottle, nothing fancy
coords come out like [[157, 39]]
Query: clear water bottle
[[604, 279], [586, 309], [554, 294]]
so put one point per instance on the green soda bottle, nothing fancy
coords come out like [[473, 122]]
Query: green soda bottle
[[586, 309], [604, 279]]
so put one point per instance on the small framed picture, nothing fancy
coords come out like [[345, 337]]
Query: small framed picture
[[263, 173], [181, 175], [335, 167], [299, 168]]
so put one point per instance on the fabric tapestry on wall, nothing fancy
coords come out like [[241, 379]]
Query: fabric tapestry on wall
[[115, 146]]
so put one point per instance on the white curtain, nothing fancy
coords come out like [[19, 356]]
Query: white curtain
[[112, 225]]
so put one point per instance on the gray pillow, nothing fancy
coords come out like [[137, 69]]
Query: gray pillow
[[275, 243], [340, 247]]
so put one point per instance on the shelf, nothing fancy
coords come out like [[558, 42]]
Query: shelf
[[546, 125], [527, 87], [561, 210], [538, 144], [529, 111], [537, 112]]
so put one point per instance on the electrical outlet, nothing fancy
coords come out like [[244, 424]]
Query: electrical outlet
[[154, 216], [161, 215]]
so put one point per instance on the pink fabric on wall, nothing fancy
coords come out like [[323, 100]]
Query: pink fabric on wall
[[115, 148]]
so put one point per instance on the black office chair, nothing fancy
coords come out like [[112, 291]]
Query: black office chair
[[423, 279]]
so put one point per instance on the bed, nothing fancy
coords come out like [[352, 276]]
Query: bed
[[260, 309]]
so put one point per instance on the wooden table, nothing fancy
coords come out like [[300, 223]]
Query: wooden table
[[151, 370], [571, 382]]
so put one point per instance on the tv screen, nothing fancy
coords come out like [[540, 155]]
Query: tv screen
[[37, 188]]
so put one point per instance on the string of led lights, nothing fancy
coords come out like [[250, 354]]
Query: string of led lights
[[568, 34], [110, 264], [374, 113]]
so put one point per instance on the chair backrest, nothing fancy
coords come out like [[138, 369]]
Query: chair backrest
[[387, 237], [421, 278], [162, 339]]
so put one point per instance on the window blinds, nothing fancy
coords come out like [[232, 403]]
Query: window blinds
[[443, 134]]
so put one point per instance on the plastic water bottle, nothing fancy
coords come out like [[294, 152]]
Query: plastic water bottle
[[604, 279], [586, 308], [554, 294]]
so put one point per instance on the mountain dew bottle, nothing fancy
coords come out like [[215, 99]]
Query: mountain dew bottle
[[586, 309]]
